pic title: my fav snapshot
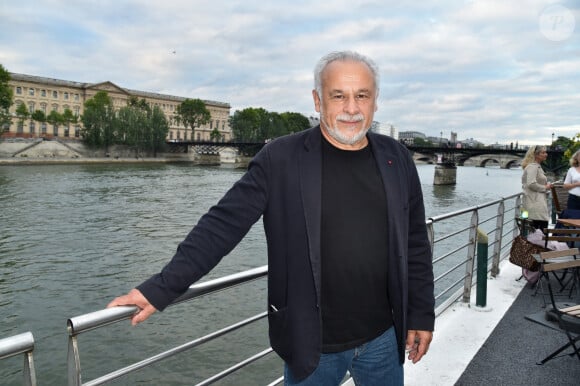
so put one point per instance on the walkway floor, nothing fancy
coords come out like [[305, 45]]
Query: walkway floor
[[495, 345]]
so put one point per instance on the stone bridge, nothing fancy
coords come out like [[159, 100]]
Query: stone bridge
[[505, 161]]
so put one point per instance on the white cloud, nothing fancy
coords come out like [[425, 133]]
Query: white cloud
[[480, 68]]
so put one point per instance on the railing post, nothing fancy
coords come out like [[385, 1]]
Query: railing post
[[498, 239], [481, 292], [470, 257], [518, 214], [21, 344]]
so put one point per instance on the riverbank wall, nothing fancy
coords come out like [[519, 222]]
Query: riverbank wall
[[19, 151]]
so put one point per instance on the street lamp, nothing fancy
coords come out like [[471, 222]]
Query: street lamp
[[441, 140], [552, 139]]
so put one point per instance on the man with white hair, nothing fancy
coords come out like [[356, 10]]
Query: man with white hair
[[350, 276]]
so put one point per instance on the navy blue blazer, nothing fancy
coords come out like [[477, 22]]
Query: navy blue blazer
[[283, 184]]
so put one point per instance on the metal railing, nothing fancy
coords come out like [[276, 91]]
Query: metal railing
[[21, 344], [453, 238]]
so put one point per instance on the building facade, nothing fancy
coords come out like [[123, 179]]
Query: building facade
[[46, 95]]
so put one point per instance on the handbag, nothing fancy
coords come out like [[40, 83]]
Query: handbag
[[521, 253]]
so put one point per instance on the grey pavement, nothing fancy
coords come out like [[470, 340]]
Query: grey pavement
[[510, 353]]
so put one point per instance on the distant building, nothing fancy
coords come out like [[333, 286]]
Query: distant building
[[386, 129], [470, 142], [47, 94], [314, 121], [408, 137]]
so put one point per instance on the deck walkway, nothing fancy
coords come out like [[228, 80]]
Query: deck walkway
[[495, 345]]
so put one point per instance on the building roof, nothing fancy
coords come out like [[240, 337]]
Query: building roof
[[84, 85]]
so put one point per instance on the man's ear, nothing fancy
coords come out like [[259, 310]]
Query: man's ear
[[316, 98]]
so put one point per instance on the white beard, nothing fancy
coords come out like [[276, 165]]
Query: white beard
[[336, 134]]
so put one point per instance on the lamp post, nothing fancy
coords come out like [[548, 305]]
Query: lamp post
[[441, 140], [552, 139]]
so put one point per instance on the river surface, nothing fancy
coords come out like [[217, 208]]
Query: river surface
[[72, 237]]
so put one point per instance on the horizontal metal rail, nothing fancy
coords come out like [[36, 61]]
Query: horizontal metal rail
[[176, 350], [21, 344], [451, 284], [101, 318]]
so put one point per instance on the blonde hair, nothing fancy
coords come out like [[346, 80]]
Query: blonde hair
[[574, 159], [531, 155]]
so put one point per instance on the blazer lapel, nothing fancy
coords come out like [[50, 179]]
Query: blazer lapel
[[310, 166]]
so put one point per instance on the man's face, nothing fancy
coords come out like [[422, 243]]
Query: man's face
[[347, 104]]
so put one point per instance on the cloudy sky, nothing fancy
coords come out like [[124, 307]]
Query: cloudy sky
[[493, 70]]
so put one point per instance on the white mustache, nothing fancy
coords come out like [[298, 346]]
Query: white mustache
[[350, 118]]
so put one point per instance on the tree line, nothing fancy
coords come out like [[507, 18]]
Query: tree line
[[145, 127]]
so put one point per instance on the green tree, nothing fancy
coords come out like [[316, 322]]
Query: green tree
[[422, 142], [246, 124], [192, 113], [40, 117], [215, 135], [130, 125], [99, 121], [159, 130], [22, 114], [141, 127], [68, 117], [295, 122], [6, 98], [258, 125], [55, 118]]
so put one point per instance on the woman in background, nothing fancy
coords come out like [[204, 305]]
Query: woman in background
[[535, 186], [572, 182]]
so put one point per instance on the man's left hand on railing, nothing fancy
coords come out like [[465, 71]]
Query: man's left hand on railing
[[135, 298]]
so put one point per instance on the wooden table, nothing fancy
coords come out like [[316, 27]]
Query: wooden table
[[570, 222]]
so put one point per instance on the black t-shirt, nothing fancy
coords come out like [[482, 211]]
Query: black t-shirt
[[355, 303]]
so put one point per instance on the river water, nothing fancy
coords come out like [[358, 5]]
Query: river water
[[72, 237]]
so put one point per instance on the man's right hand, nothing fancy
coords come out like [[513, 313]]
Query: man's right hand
[[135, 298]]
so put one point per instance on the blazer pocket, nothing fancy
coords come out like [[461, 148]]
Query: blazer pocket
[[278, 331]]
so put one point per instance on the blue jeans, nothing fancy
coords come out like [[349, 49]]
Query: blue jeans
[[371, 364]]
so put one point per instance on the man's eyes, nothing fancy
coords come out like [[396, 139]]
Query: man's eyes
[[357, 96]]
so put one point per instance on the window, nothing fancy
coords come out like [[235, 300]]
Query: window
[[76, 111], [54, 107], [66, 132], [31, 91], [77, 97], [55, 130], [43, 93], [55, 94], [43, 128], [31, 107], [65, 95], [43, 108], [77, 131], [32, 127], [19, 90]]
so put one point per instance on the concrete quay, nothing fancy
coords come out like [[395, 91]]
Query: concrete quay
[[38, 151]]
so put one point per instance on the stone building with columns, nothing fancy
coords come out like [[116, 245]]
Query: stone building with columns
[[47, 94]]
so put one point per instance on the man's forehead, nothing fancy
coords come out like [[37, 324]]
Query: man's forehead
[[348, 71]]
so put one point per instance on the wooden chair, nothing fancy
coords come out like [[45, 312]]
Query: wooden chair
[[559, 196], [567, 235], [563, 276], [568, 315]]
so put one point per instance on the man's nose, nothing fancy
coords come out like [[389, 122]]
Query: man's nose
[[351, 106]]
